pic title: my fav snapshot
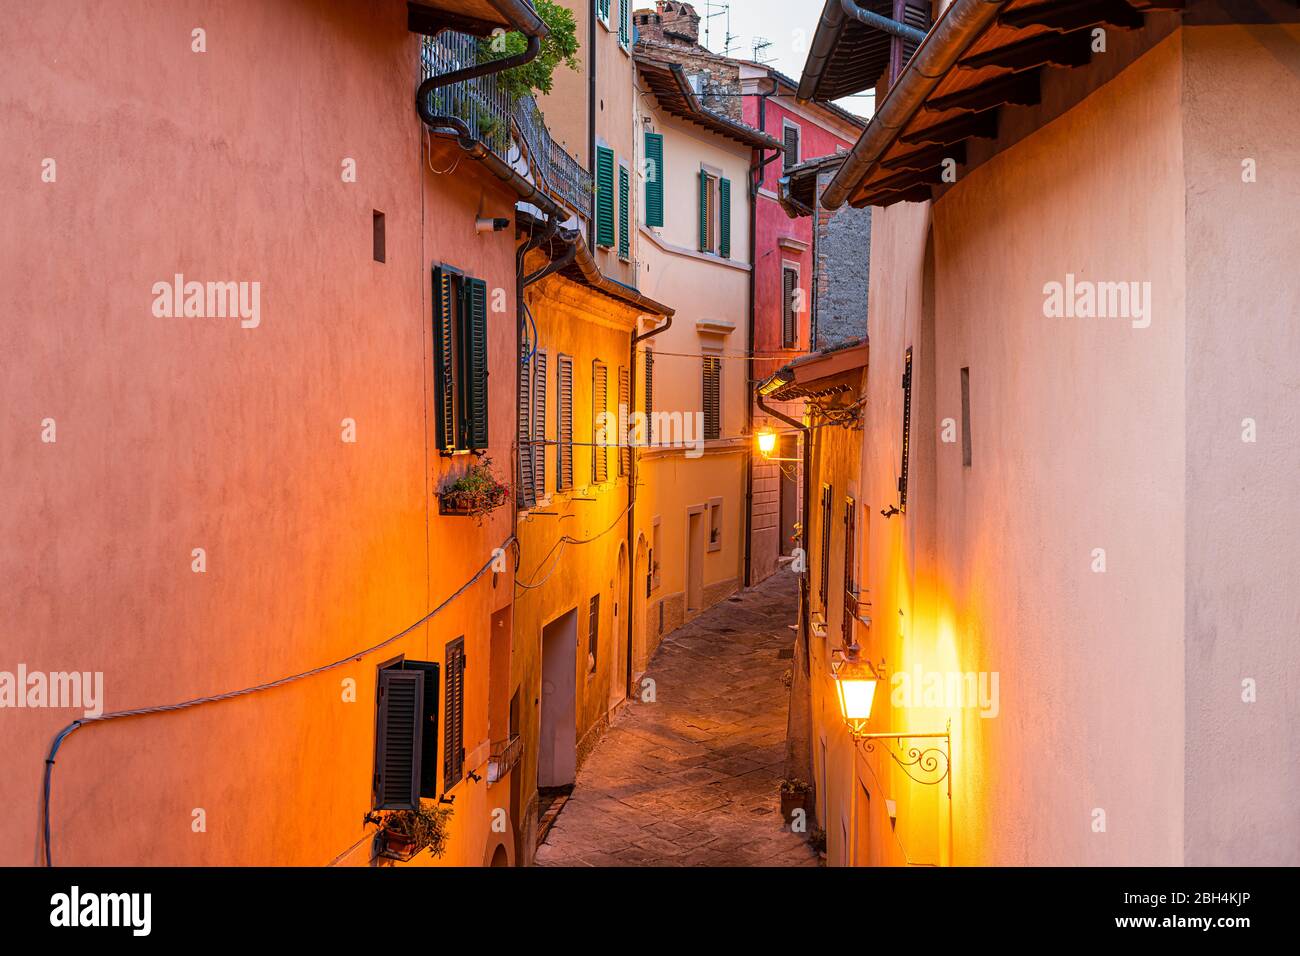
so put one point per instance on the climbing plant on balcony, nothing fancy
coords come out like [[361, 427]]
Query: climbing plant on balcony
[[559, 48]]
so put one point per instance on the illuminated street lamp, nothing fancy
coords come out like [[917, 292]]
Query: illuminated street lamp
[[855, 685], [767, 445]]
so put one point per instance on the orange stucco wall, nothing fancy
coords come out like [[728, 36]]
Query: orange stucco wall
[[176, 434]]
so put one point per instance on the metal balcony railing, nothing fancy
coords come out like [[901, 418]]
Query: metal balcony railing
[[513, 128], [505, 756]]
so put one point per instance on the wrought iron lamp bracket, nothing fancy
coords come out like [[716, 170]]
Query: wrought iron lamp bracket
[[926, 763]]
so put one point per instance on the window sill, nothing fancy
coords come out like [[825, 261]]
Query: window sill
[[818, 626]]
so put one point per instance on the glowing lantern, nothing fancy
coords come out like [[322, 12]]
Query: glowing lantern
[[855, 682], [767, 442]]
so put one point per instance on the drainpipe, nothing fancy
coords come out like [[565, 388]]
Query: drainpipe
[[755, 180], [591, 112], [871, 19], [805, 618], [631, 495]]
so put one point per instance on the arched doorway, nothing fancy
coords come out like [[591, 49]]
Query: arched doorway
[[618, 659], [640, 575]]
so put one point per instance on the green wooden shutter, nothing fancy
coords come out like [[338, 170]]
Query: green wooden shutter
[[539, 425], [398, 746], [649, 396], [704, 211], [453, 753], [429, 725], [824, 577], [712, 388], [654, 179], [476, 386], [624, 189], [599, 423], [624, 21], [604, 10], [564, 422], [724, 218], [789, 283], [604, 196], [907, 430], [444, 359], [850, 559]]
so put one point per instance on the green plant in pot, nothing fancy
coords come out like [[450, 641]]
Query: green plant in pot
[[406, 832], [795, 794], [474, 493]]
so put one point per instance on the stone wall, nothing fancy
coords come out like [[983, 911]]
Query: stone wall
[[843, 247]]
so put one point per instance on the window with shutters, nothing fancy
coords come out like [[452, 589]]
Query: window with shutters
[[625, 22], [563, 422], [624, 410], [907, 429], [604, 196], [789, 305], [538, 430], [406, 735], [453, 740], [624, 218], [526, 493], [593, 633], [712, 403], [790, 142], [715, 214], [648, 396], [850, 562], [654, 179], [602, 10], [824, 571], [600, 423], [460, 360]]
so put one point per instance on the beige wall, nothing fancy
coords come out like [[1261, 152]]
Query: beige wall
[[1241, 87]]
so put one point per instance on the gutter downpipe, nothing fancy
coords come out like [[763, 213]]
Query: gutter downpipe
[[591, 112], [947, 40], [631, 496], [870, 18]]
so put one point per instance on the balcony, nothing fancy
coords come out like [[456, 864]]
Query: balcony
[[505, 755], [512, 128]]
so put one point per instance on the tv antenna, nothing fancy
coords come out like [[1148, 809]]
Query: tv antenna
[[760, 50], [712, 8]]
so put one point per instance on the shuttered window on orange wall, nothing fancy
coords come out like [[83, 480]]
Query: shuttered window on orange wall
[[599, 422], [453, 756], [564, 422]]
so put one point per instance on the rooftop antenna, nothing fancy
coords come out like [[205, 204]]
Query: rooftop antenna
[[710, 13], [760, 50]]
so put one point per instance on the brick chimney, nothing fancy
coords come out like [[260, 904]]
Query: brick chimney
[[672, 21]]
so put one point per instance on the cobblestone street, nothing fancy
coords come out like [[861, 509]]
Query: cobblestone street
[[692, 778]]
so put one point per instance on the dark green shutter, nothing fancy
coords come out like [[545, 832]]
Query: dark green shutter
[[453, 754], [524, 497], [624, 21], [539, 425], [604, 10], [649, 396], [476, 396], [624, 188], [712, 398], [444, 359], [907, 429], [789, 283], [399, 746], [429, 726], [704, 211], [724, 218], [850, 560], [654, 179], [604, 196]]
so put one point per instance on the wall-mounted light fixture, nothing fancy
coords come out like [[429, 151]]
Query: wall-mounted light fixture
[[855, 685], [767, 445]]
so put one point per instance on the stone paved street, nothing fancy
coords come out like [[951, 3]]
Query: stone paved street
[[691, 779]]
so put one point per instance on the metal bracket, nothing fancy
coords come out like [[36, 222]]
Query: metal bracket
[[927, 764]]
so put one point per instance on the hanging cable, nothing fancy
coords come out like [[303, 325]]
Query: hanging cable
[[195, 702]]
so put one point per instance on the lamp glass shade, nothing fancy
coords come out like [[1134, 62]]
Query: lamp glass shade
[[856, 685], [767, 442]]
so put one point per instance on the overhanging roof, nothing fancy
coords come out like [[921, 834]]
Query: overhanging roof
[[818, 375], [476, 17], [668, 82], [798, 186], [980, 56], [847, 56]]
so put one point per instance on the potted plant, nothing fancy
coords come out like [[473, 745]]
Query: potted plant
[[475, 493], [794, 796], [404, 833]]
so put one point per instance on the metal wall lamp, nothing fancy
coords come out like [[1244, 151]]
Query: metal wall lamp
[[855, 685]]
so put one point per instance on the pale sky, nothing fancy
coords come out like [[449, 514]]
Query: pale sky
[[788, 24]]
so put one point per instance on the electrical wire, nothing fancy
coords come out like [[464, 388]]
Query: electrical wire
[[280, 682], [559, 546]]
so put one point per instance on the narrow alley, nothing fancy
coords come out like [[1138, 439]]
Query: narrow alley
[[691, 779]]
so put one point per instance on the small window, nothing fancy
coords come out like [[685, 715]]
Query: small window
[[712, 397], [790, 296], [453, 755], [460, 360], [965, 417], [378, 222], [790, 140], [593, 633], [564, 423], [406, 735], [715, 214], [715, 524], [600, 423]]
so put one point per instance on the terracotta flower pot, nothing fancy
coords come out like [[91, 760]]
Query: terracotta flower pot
[[398, 843]]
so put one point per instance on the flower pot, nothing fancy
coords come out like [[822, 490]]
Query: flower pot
[[792, 801], [398, 844]]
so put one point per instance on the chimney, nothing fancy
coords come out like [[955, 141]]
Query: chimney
[[672, 21]]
